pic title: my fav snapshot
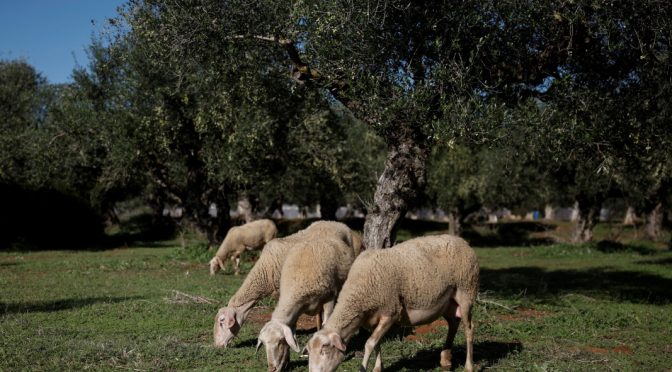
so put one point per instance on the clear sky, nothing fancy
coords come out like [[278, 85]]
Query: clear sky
[[51, 35]]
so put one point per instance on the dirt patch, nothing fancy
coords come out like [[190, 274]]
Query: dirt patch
[[306, 323], [524, 314], [262, 314], [597, 350], [621, 349], [420, 332]]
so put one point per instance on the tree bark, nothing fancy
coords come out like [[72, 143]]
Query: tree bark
[[654, 223], [588, 215], [454, 222], [549, 212], [575, 212], [402, 178], [245, 208], [629, 218]]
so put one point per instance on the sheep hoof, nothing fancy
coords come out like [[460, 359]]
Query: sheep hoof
[[446, 360]]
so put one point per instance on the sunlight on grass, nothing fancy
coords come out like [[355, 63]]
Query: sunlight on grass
[[553, 307]]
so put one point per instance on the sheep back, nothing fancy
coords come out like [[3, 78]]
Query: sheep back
[[414, 274], [314, 271]]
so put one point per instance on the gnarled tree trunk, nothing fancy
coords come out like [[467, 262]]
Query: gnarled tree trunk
[[402, 178], [245, 208], [549, 212], [654, 222], [588, 215], [454, 222], [629, 218]]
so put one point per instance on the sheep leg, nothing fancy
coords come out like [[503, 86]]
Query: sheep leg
[[237, 268], [378, 367], [465, 303], [384, 325], [327, 309], [453, 324], [221, 264]]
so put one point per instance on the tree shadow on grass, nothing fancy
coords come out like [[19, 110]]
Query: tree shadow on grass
[[610, 246], [508, 234], [628, 286], [50, 306], [485, 353], [661, 261]]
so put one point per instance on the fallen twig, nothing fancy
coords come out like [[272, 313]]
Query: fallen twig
[[495, 303], [183, 298]]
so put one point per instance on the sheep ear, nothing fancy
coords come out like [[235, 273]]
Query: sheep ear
[[258, 346], [337, 342], [289, 337], [230, 322], [228, 318]]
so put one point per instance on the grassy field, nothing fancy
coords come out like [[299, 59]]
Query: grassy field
[[542, 307]]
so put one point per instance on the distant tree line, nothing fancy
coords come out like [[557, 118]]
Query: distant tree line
[[383, 106]]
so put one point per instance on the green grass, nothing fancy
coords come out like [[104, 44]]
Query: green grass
[[556, 307]]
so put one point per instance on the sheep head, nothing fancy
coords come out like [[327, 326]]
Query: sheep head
[[326, 350], [215, 265], [277, 338], [226, 326]]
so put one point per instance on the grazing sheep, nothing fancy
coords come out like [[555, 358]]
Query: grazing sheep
[[312, 275], [412, 283], [264, 278], [249, 236]]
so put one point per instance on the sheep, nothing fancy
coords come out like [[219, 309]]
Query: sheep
[[264, 278], [412, 283], [310, 280], [249, 236]]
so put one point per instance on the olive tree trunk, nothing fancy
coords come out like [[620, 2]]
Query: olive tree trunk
[[587, 217], [549, 212], [245, 208], [629, 218], [454, 222], [402, 178], [654, 223]]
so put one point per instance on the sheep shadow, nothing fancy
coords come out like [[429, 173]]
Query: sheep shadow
[[485, 354], [58, 305], [250, 342], [547, 285]]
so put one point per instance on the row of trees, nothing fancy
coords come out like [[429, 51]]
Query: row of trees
[[469, 104]]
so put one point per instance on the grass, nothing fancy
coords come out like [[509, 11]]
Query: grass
[[551, 307]]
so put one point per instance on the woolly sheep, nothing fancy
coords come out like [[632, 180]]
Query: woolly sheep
[[412, 283], [311, 277], [249, 236], [264, 278]]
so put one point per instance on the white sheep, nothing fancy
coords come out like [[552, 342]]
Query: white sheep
[[250, 236], [263, 279], [411, 283], [312, 275]]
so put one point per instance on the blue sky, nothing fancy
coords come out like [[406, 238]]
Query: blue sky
[[51, 35]]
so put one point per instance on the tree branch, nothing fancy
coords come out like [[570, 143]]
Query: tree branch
[[302, 73]]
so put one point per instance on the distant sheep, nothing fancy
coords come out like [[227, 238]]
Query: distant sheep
[[250, 236], [412, 283], [312, 275], [264, 278]]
